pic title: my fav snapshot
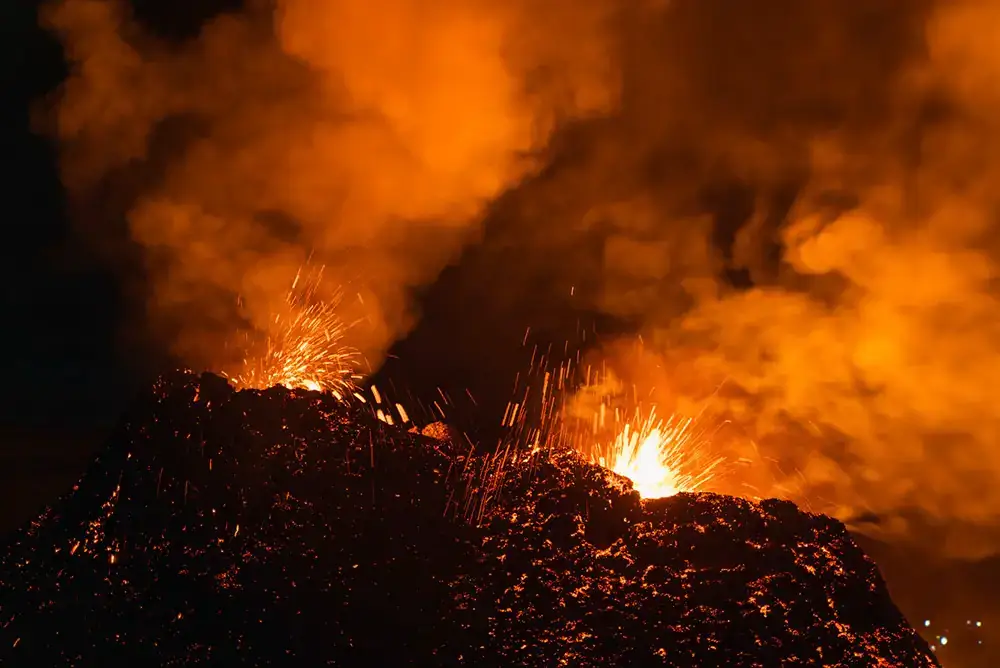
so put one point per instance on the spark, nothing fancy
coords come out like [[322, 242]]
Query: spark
[[548, 414], [661, 457], [305, 347]]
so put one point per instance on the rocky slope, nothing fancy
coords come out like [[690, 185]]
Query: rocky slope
[[280, 528]]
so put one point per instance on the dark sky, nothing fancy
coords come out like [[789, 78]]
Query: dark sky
[[75, 354], [59, 315]]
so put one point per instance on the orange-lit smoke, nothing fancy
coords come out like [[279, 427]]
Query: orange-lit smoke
[[368, 136], [793, 202], [852, 345]]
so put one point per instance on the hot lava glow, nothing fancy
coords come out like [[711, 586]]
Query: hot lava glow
[[660, 457], [566, 405], [304, 348]]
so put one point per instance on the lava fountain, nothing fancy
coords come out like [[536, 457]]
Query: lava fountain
[[661, 457], [585, 408], [304, 347]]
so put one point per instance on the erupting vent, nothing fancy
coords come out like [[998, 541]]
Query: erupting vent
[[659, 457], [288, 528]]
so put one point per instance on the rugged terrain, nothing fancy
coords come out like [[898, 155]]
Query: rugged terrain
[[284, 528]]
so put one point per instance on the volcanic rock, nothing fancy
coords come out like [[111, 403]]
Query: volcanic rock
[[284, 528]]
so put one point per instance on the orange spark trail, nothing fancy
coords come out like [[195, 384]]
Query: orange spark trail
[[304, 348], [661, 457]]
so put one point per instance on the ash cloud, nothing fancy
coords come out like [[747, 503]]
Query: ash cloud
[[792, 202], [799, 212], [364, 136]]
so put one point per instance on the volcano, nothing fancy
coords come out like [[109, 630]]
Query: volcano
[[272, 528]]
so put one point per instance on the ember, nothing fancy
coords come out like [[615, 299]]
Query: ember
[[658, 456], [286, 528], [575, 409], [304, 348]]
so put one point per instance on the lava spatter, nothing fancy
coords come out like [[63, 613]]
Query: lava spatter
[[278, 527], [304, 346]]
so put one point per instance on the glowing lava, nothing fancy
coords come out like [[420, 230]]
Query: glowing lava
[[660, 457], [305, 347]]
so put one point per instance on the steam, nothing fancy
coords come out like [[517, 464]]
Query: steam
[[795, 201], [365, 136], [879, 333], [848, 330]]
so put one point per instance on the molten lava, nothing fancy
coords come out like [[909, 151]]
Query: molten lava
[[661, 457], [304, 348], [580, 408]]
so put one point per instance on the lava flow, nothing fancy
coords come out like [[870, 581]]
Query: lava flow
[[305, 346]]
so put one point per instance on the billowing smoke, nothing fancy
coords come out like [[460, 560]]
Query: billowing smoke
[[800, 213], [366, 136], [793, 201]]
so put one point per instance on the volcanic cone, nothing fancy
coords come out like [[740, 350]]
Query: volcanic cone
[[267, 528]]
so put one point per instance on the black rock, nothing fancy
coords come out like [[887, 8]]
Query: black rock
[[284, 528]]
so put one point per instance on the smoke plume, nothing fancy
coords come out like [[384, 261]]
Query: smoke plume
[[792, 200], [800, 214], [368, 137]]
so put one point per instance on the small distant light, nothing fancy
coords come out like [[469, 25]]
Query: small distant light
[[944, 640], [979, 623], [927, 622]]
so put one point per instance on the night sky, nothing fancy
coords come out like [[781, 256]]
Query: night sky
[[61, 308], [77, 346]]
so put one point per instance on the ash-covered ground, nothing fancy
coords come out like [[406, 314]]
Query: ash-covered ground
[[284, 528]]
